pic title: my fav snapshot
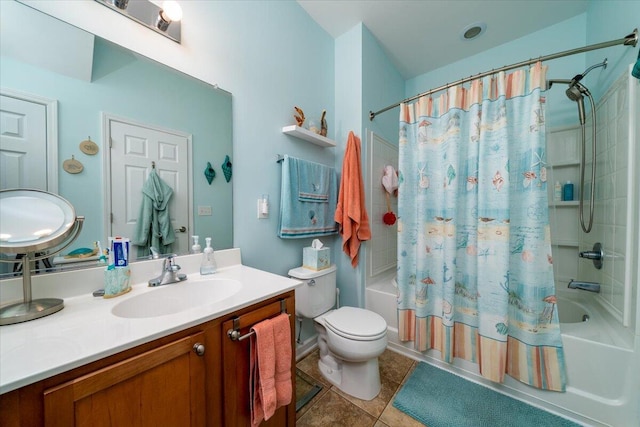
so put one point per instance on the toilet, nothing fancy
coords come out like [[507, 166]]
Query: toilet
[[350, 339]]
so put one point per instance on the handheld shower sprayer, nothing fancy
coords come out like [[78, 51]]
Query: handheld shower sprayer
[[576, 92]]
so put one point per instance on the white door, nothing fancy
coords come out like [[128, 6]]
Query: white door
[[135, 148], [23, 144]]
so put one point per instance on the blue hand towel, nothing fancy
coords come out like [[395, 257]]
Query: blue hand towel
[[636, 68], [300, 219], [314, 181]]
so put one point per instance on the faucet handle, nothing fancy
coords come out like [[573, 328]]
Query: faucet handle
[[168, 263]]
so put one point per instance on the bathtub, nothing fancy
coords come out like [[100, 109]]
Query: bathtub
[[603, 370]]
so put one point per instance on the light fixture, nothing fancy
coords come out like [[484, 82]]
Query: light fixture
[[120, 4], [164, 20], [473, 31], [170, 12]]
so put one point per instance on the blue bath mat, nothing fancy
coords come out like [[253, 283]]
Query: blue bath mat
[[438, 398]]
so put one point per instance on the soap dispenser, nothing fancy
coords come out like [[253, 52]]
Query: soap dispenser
[[208, 265], [196, 248]]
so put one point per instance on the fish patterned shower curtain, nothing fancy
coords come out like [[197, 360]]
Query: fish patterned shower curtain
[[474, 254]]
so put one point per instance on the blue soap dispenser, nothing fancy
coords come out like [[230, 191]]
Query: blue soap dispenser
[[208, 265]]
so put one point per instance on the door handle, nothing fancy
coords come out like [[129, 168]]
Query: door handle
[[181, 229]]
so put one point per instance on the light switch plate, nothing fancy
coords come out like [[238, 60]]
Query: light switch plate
[[204, 210], [262, 215]]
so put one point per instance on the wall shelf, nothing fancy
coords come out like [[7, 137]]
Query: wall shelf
[[566, 243], [565, 164], [565, 203], [308, 136]]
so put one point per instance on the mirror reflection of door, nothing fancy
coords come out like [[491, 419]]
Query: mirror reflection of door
[[28, 152], [28, 148], [135, 148]]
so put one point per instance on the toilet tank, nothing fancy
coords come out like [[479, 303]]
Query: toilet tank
[[317, 294]]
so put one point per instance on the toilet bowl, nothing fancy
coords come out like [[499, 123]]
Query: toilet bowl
[[350, 339], [349, 358]]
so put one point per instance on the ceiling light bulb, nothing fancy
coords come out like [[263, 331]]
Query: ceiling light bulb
[[171, 11]]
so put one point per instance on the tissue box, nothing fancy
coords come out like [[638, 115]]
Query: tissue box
[[316, 259]]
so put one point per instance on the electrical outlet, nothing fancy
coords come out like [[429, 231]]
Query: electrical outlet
[[204, 210]]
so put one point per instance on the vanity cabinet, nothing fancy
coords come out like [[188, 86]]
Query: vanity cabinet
[[165, 382], [163, 386]]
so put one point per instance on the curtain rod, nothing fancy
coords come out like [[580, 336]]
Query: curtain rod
[[630, 40]]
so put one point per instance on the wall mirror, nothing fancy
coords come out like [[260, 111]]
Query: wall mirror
[[79, 84]]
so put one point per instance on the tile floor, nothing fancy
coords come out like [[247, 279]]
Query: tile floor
[[331, 407]]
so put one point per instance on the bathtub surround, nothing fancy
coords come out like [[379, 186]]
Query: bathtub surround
[[426, 396], [382, 253], [475, 275], [614, 196]]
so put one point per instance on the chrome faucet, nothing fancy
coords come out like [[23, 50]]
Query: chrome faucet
[[585, 286], [169, 273]]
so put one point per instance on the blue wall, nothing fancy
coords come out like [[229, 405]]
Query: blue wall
[[610, 20], [278, 58]]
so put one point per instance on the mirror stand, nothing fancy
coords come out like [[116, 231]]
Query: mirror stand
[[33, 223], [34, 309]]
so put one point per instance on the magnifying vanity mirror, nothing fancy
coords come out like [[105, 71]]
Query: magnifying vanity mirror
[[81, 87], [32, 222]]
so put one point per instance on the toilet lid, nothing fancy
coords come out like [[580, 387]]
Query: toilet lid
[[356, 323]]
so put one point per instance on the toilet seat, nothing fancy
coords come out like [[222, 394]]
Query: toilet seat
[[356, 324]]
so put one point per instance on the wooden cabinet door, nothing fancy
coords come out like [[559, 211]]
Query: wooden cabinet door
[[235, 354], [162, 387]]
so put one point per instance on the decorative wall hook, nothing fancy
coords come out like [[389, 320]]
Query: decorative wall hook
[[89, 147], [72, 165]]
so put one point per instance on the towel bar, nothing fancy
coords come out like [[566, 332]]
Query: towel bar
[[234, 333]]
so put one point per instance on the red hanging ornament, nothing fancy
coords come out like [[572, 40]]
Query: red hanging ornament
[[389, 218]]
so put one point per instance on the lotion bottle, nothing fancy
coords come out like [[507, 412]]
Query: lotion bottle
[[208, 265], [557, 192]]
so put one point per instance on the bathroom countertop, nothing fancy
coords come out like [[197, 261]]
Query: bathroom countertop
[[85, 330]]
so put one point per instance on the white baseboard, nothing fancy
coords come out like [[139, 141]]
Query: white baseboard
[[307, 346]]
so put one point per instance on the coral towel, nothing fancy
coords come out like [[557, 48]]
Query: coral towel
[[282, 341], [270, 367], [351, 213]]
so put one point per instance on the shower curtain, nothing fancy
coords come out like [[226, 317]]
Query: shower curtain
[[474, 255]]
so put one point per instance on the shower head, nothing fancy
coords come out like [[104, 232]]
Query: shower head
[[576, 92]]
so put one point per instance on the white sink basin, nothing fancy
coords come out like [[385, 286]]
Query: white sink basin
[[177, 297]]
